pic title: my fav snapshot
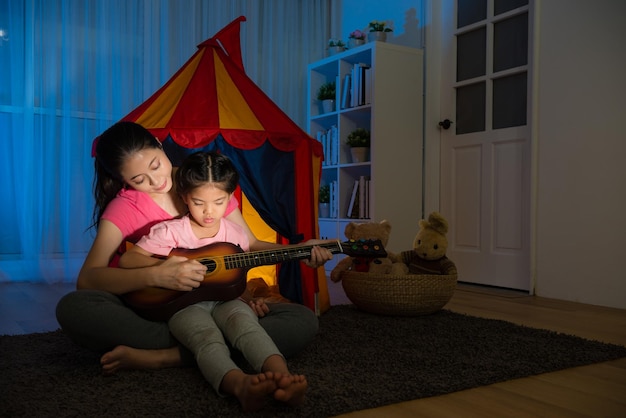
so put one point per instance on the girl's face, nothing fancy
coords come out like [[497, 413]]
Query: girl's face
[[207, 205], [149, 171]]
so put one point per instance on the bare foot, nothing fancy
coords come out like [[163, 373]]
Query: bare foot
[[291, 389], [251, 390], [123, 357]]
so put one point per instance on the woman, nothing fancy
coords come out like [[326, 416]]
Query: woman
[[133, 191]]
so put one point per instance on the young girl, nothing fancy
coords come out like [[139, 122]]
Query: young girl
[[206, 182], [133, 191]]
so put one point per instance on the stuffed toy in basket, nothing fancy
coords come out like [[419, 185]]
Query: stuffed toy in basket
[[421, 281]]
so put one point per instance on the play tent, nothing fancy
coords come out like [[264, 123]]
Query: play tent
[[211, 104]]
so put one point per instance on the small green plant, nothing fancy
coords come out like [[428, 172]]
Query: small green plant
[[336, 42], [324, 196], [360, 137], [326, 91], [379, 26]]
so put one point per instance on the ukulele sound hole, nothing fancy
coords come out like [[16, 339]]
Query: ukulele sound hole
[[210, 266]]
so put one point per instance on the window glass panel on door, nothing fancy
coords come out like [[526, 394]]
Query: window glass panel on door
[[471, 54], [509, 101], [510, 43], [470, 11], [470, 108], [501, 6]]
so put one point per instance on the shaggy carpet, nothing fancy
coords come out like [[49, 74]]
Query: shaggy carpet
[[358, 361]]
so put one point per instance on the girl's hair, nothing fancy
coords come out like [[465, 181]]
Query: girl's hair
[[201, 168], [113, 148]]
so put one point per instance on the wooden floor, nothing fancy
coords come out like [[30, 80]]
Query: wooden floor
[[597, 390]]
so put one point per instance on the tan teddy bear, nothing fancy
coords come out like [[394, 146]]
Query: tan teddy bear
[[428, 255], [368, 231]]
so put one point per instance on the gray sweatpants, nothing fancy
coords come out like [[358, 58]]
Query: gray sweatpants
[[202, 328]]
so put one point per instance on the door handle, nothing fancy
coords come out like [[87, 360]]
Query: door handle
[[445, 124]]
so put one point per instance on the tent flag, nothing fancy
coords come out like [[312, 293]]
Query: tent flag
[[211, 104], [228, 38]]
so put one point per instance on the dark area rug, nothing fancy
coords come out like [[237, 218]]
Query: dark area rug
[[358, 361]]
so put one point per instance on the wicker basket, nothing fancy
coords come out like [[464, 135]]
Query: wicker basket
[[408, 295]]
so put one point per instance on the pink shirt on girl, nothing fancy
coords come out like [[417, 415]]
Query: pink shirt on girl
[[177, 233]]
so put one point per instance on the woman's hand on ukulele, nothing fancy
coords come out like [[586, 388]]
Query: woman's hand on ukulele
[[181, 273]]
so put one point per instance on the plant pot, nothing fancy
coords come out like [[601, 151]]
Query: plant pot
[[377, 36], [332, 50], [324, 210], [353, 43], [360, 154], [328, 106]]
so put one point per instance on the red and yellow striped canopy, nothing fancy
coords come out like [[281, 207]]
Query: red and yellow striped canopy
[[211, 95]]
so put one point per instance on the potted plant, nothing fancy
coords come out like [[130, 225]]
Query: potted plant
[[326, 96], [356, 38], [359, 143], [336, 46], [324, 201], [378, 31]]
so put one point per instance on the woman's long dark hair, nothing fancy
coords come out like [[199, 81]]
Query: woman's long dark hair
[[114, 146], [201, 168]]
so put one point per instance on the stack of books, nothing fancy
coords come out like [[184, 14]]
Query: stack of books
[[356, 87], [330, 145]]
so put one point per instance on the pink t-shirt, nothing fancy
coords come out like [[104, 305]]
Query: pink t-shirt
[[177, 233], [134, 213]]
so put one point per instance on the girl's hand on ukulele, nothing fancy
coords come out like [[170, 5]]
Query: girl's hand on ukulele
[[181, 273]]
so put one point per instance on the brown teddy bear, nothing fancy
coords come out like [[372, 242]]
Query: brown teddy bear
[[428, 255], [368, 231]]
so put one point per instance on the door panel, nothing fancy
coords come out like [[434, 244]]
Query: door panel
[[485, 164]]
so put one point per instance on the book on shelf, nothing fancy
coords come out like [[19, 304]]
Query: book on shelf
[[368, 86], [333, 143], [333, 199], [367, 198], [345, 92], [353, 199], [358, 207], [359, 84], [330, 145], [361, 197]]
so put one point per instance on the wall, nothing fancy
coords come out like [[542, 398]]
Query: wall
[[581, 151]]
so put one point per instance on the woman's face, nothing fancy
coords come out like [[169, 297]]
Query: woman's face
[[149, 171]]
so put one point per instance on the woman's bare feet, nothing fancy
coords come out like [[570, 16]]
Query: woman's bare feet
[[123, 357], [291, 389], [251, 390]]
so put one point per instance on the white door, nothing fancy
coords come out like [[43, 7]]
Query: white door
[[485, 150]]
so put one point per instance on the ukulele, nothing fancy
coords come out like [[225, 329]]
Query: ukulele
[[227, 267]]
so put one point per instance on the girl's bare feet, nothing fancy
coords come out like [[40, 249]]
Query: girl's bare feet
[[251, 390], [291, 389], [123, 357]]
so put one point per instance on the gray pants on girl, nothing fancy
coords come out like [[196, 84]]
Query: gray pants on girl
[[202, 328]]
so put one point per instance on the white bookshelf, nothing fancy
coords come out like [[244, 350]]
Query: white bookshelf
[[394, 117]]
